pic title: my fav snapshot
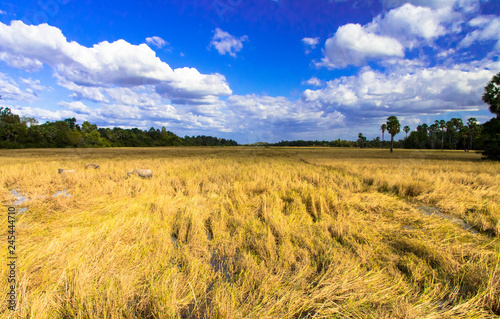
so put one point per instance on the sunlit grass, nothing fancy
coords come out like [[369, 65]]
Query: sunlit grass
[[254, 233]]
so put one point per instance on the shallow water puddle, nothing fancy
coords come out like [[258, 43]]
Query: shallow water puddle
[[20, 200], [62, 193], [220, 264], [224, 265], [433, 211], [174, 241]]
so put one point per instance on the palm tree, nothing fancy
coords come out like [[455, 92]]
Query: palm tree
[[442, 126], [433, 129], [472, 124], [361, 139], [383, 128], [464, 134], [491, 95], [457, 127], [425, 129], [393, 127], [406, 129]]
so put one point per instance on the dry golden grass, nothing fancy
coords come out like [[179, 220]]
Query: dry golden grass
[[253, 233]]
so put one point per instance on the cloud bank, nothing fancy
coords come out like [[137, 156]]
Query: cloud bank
[[105, 65]]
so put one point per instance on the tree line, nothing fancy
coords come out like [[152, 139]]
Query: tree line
[[452, 134], [456, 135], [24, 132]]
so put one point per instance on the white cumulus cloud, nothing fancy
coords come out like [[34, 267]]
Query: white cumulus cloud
[[313, 81], [354, 45], [226, 43], [156, 41], [267, 117], [77, 107], [389, 35], [410, 23], [33, 84], [463, 5], [310, 44], [436, 90], [487, 28], [10, 90], [104, 65]]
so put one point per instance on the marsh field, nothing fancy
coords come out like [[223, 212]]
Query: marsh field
[[246, 232]]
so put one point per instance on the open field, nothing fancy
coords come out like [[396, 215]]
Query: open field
[[253, 233]]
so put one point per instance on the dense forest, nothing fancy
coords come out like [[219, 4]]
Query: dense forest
[[25, 132]]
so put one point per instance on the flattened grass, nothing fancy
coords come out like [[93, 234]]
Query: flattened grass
[[254, 233]]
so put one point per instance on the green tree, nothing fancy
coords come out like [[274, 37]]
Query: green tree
[[491, 131], [442, 126], [63, 132], [491, 128], [383, 128], [87, 127], [49, 132], [491, 95], [71, 123], [92, 137], [455, 126], [464, 135], [29, 121], [433, 129], [361, 140], [425, 130], [473, 127], [406, 129], [11, 128], [35, 137], [422, 135], [393, 127]]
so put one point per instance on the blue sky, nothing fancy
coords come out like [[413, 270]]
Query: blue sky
[[251, 71]]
